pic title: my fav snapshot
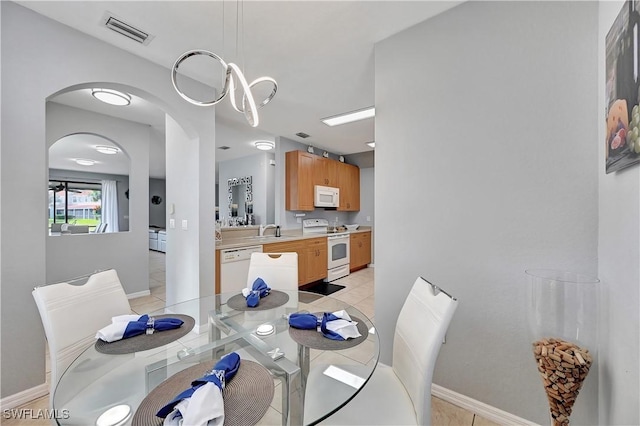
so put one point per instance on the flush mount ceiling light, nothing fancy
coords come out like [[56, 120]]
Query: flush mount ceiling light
[[371, 144], [105, 149], [112, 97], [84, 161], [264, 145], [350, 117], [233, 78]]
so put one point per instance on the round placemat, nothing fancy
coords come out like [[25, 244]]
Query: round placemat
[[246, 397], [315, 340], [273, 300], [143, 342]]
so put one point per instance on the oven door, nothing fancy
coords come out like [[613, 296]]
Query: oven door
[[338, 248]]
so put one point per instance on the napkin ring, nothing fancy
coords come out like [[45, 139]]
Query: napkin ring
[[150, 323]]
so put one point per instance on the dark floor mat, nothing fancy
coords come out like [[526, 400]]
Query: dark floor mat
[[308, 297], [323, 288]]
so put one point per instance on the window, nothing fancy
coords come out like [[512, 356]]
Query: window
[[76, 203]]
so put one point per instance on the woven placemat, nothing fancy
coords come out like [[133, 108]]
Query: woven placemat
[[273, 300], [246, 397], [315, 340], [145, 342]]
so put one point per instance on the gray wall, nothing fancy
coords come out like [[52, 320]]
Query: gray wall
[[158, 212], [74, 60], [618, 269], [257, 166], [365, 216], [486, 129]]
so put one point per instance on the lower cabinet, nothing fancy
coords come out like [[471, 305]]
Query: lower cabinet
[[312, 257], [360, 250]]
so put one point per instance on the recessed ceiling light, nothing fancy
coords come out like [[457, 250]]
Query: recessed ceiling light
[[372, 144], [85, 162], [107, 149], [112, 97], [350, 117], [264, 145]]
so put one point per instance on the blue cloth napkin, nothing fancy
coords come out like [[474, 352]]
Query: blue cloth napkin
[[258, 290], [202, 402], [311, 322], [125, 326], [334, 326]]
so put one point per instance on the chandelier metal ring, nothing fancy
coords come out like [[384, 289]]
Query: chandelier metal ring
[[187, 55], [262, 80]]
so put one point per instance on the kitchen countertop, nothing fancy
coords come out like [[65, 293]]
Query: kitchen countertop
[[270, 238]]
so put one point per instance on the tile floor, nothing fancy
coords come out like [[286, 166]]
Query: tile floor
[[359, 292]]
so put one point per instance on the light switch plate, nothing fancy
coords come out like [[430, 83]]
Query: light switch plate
[[172, 223], [184, 224]]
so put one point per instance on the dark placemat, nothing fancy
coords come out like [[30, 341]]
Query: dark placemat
[[144, 342], [273, 300], [323, 288], [246, 397], [305, 297], [315, 340]]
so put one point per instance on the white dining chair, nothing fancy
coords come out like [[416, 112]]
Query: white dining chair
[[400, 394], [72, 314], [278, 270]]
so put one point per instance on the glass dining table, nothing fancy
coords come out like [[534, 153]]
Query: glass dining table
[[312, 376]]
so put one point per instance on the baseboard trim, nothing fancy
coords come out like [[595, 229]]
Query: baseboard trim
[[485, 411], [21, 398], [138, 294]]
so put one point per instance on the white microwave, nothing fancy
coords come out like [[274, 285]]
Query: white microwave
[[326, 196]]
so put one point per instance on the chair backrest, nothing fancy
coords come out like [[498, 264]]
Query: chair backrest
[[72, 314], [421, 327], [278, 270]]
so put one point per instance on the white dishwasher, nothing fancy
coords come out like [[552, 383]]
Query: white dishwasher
[[234, 267]]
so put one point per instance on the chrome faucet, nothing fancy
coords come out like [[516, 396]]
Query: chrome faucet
[[263, 228]]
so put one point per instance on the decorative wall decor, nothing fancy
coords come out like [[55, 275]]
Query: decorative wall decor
[[248, 196], [623, 90]]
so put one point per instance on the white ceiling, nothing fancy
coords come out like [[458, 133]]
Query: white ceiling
[[321, 53]]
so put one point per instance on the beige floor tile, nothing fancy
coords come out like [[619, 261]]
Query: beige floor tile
[[446, 414], [151, 306], [366, 306], [158, 275], [271, 417], [30, 414], [159, 292], [361, 353], [155, 283], [360, 292], [349, 297], [142, 300], [481, 421]]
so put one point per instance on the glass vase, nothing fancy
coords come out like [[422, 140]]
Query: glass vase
[[563, 320]]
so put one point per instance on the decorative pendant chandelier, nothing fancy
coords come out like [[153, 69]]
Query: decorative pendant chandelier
[[234, 79]]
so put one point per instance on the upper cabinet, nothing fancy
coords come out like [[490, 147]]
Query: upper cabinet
[[349, 184], [299, 180], [325, 172], [304, 170]]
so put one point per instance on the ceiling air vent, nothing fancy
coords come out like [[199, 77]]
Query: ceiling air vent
[[121, 27], [302, 135], [224, 147]]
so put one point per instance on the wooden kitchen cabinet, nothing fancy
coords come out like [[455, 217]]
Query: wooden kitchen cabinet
[[312, 257], [349, 184], [325, 172], [299, 178], [360, 250], [315, 259]]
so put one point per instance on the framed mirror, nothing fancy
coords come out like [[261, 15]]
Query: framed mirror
[[240, 198]]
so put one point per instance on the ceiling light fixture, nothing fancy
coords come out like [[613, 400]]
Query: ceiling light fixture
[[233, 78], [112, 97], [84, 161], [109, 150], [264, 145], [350, 117], [371, 144]]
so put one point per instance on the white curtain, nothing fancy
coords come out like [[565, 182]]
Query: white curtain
[[110, 205]]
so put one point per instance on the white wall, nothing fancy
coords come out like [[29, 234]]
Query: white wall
[[618, 268], [486, 130], [70, 58]]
